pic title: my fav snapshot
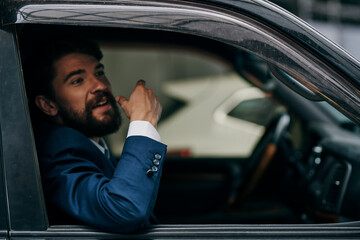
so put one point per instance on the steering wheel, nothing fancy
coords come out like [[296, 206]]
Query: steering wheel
[[263, 155]]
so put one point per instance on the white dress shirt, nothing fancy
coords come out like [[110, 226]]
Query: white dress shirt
[[136, 128]]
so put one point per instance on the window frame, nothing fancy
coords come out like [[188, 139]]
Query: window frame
[[3, 205], [25, 204], [3, 202]]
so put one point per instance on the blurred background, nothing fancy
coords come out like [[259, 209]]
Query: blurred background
[[199, 83], [339, 20]]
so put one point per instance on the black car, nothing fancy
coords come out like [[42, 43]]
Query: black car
[[261, 117]]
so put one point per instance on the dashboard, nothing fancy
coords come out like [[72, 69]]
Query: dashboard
[[332, 174]]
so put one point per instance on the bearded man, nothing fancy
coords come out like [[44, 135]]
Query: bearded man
[[73, 108]]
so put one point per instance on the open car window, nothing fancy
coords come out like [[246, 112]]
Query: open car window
[[209, 110], [221, 118], [239, 140]]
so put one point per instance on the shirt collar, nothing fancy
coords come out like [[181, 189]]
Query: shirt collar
[[102, 146]]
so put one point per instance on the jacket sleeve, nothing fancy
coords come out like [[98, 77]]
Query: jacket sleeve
[[75, 183]]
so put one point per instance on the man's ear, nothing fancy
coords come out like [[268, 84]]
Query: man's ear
[[46, 105]]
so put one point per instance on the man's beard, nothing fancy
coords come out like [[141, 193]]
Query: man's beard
[[86, 123]]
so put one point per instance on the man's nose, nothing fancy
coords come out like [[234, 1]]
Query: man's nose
[[98, 85]]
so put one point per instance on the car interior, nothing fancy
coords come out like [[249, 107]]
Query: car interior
[[242, 146]]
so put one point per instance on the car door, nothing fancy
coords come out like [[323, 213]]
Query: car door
[[26, 210]]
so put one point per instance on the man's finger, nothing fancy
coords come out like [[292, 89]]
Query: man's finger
[[140, 82], [120, 99]]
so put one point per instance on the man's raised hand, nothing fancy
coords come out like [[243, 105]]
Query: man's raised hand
[[142, 105]]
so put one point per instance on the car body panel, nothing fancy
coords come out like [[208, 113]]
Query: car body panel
[[3, 201], [208, 231], [18, 157], [3, 205]]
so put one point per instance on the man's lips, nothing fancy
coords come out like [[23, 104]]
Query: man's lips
[[102, 103]]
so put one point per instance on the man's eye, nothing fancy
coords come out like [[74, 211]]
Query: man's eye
[[100, 73], [77, 81]]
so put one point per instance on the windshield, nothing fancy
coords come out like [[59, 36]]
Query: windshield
[[340, 118]]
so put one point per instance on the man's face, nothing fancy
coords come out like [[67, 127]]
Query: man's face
[[83, 96]]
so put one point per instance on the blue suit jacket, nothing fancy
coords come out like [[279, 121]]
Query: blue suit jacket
[[82, 186]]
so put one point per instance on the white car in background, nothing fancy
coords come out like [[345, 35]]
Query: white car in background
[[222, 116]]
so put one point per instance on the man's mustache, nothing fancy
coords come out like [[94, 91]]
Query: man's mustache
[[101, 98]]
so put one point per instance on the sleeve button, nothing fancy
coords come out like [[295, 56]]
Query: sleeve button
[[157, 156], [154, 169], [149, 173], [156, 162]]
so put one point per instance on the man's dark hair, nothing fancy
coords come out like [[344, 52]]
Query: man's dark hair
[[39, 71]]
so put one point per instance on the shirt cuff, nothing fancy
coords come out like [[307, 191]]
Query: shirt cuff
[[143, 128]]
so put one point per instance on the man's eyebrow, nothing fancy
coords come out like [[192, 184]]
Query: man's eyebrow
[[73, 73], [100, 65]]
